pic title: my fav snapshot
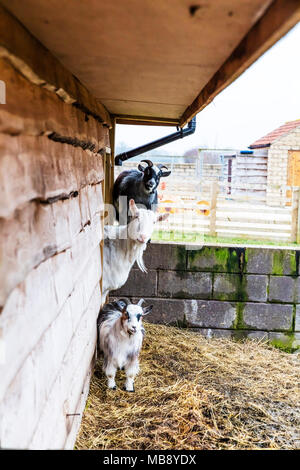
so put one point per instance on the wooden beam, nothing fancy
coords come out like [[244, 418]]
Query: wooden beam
[[39, 66], [278, 19], [145, 120]]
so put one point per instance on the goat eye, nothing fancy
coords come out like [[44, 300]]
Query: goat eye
[[126, 315]]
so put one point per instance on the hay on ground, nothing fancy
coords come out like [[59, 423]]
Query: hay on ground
[[194, 393]]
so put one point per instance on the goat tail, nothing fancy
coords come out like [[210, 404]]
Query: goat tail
[[140, 263]]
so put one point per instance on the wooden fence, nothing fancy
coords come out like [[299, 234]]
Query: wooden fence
[[215, 212], [212, 205]]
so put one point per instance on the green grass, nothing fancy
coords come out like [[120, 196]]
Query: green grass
[[199, 238]]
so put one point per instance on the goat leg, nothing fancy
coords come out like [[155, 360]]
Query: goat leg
[[110, 372], [131, 370]]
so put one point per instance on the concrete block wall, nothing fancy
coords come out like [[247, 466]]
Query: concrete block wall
[[222, 291]]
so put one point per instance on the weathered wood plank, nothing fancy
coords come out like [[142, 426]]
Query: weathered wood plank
[[281, 16], [41, 231], [20, 114], [73, 422], [38, 65], [36, 302], [38, 168], [47, 377], [68, 386]]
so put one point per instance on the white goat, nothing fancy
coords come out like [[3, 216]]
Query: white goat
[[120, 336], [125, 244]]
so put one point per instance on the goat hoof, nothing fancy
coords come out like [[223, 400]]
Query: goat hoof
[[130, 391], [112, 388]]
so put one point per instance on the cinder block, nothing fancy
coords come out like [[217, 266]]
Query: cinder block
[[288, 342], [250, 334], [284, 263], [227, 287], [166, 311], [259, 261], [184, 285], [139, 284], [261, 316], [210, 314], [213, 332], [165, 256], [297, 290], [216, 259], [281, 289], [261, 335], [192, 313], [236, 287], [297, 320], [256, 287], [237, 334]]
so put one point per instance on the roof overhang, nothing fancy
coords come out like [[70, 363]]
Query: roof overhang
[[156, 62], [259, 146]]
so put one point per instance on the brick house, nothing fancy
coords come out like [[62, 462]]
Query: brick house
[[283, 148]]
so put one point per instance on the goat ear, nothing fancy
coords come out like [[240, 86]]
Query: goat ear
[[162, 217], [140, 302], [165, 173], [147, 310], [124, 312], [132, 208], [122, 302]]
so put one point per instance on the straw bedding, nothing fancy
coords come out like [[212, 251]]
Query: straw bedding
[[194, 393]]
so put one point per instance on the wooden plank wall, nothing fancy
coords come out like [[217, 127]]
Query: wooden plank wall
[[51, 204]]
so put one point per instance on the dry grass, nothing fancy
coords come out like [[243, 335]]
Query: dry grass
[[194, 393]]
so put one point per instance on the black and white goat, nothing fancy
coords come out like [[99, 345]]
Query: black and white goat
[[120, 337], [140, 185], [125, 244]]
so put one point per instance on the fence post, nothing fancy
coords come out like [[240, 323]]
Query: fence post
[[295, 226], [213, 208]]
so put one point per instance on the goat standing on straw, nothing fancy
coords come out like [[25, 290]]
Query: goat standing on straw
[[120, 336]]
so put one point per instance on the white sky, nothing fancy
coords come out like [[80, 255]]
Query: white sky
[[264, 97]]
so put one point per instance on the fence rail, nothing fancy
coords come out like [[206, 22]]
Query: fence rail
[[217, 213]]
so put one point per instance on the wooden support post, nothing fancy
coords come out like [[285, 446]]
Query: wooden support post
[[112, 139], [108, 165], [213, 208]]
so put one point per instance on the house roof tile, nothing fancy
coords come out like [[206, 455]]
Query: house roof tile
[[268, 139]]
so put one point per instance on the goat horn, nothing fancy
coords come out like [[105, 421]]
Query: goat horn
[[160, 166], [149, 163], [140, 302]]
